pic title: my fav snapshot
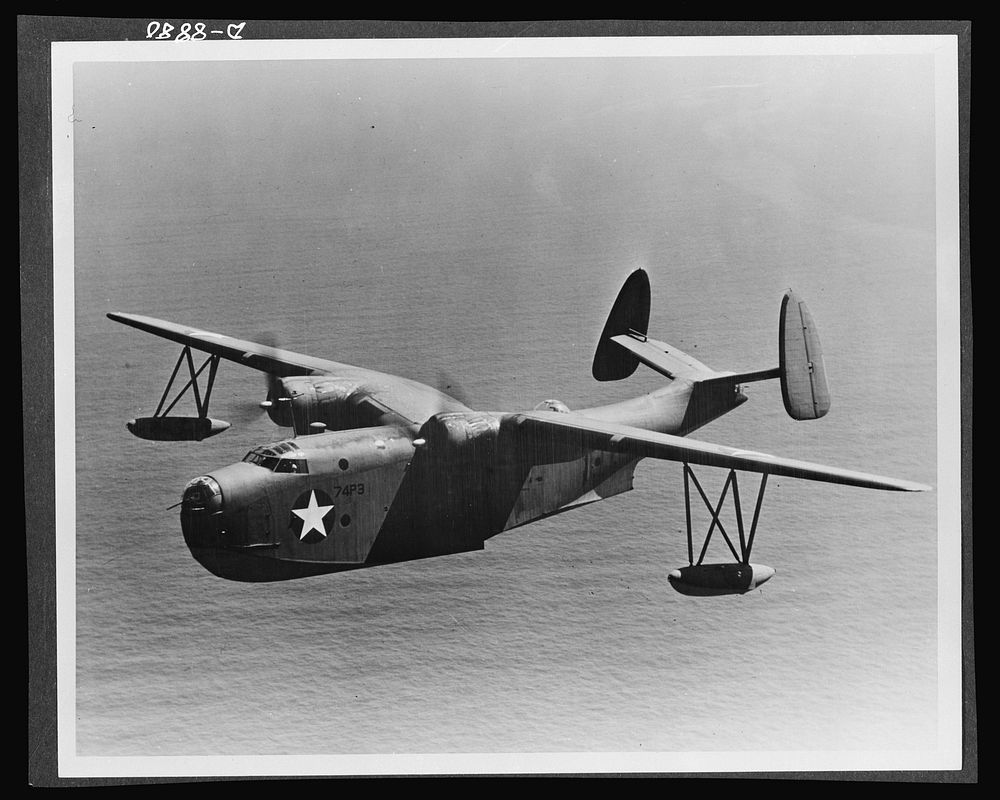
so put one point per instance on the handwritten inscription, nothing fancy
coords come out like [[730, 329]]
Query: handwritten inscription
[[192, 31]]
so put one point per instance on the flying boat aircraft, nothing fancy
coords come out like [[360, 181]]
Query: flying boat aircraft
[[382, 469]]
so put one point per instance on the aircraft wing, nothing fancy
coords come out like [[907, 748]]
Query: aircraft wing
[[574, 429], [413, 401], [265, 358]]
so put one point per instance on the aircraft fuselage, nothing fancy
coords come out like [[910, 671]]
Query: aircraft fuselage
[[342, 500]]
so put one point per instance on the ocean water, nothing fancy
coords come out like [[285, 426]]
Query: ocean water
[[470, 225]]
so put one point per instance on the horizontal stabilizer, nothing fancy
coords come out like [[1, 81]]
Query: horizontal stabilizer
[[572, 429], [664, 358]]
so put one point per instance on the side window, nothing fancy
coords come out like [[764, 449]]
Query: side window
[[296, 465]]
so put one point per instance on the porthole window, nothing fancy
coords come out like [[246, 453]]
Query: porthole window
[[345, 520], [344, 464]]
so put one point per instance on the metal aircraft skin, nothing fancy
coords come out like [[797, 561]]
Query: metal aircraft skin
[[382, 469]]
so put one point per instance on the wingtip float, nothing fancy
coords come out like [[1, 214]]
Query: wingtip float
[[382, 469]]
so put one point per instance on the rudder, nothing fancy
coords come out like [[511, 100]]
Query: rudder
[[630, 312], [804, 388]]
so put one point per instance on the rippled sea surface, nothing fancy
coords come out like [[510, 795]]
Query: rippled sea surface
[[471, 224]]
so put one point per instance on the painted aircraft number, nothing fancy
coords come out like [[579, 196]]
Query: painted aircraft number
[[349, 490]]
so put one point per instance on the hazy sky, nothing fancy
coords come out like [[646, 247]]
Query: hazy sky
[[566, 127]]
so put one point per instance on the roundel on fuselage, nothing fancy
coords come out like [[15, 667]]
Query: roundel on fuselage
[[311, 518]]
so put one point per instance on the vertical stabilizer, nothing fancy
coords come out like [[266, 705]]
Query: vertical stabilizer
[[804, 388], [629, 313]]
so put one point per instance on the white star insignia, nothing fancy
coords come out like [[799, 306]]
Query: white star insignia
[[312, 516]]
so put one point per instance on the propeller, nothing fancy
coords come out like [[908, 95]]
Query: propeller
[[447, 385], [245, 410]]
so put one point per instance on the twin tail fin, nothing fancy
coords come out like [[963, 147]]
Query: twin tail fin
[[624, 344]]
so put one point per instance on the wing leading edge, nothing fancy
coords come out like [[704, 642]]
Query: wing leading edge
[[265, 358], [574, 429]]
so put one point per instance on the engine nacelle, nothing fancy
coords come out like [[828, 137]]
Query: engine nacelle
[[456, 458], [299, 402], [462, 437]]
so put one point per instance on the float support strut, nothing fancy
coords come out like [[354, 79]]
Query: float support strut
[[746, 542], [200, 403]]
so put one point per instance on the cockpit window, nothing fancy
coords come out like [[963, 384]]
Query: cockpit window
[[282, 457]]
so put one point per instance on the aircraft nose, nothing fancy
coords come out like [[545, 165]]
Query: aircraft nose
[[201, 509], [228, 508], [202, 495], [227, 522]]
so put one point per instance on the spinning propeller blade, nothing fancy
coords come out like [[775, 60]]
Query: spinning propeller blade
[[447, 385], [247, 410]]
